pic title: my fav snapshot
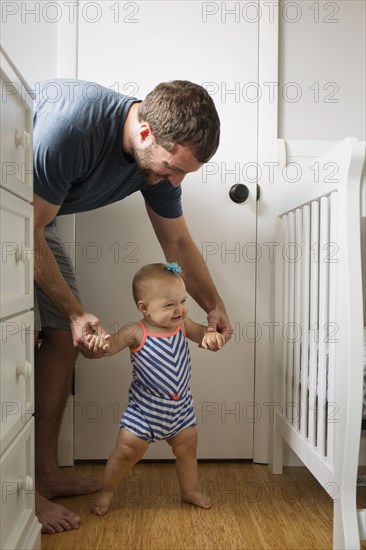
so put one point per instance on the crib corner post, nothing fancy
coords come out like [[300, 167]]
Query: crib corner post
[[346, 533]]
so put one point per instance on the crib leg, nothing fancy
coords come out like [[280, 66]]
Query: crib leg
[[277, 460], [346, 534]]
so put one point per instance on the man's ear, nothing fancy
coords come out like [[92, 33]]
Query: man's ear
[[142, 306], [145, 133]]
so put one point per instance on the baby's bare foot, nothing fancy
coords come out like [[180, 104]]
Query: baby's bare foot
[[197, 498], [101, 505]]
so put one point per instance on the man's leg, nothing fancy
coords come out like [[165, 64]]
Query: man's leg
[[55, 361], [54, 364]]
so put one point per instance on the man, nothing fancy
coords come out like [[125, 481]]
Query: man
[[93, 147]]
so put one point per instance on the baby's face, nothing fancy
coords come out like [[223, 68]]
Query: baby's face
[[167, 302]]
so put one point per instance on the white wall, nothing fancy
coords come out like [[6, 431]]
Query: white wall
[[322, 62], [29, 37]]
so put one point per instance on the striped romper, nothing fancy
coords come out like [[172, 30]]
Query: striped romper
[[160, 401]]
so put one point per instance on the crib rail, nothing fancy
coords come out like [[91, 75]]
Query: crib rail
[[309, 323], [319, 309]]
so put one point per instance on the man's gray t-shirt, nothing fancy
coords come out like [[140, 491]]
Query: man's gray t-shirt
[[78, 158]]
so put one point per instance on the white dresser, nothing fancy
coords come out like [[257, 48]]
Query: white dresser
[[19, 526]]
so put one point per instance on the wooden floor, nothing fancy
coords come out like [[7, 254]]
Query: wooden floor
[[253, 509]]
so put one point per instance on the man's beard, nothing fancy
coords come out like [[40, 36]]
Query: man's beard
[[143, 160]]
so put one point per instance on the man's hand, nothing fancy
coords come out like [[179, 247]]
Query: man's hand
[[218, 320], [82, 327]]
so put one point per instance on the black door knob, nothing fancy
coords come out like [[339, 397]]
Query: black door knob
[[239, 192]]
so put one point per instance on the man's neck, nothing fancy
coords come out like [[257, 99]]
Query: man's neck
[[130, 128]]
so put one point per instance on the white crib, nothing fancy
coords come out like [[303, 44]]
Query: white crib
[[319, 353]]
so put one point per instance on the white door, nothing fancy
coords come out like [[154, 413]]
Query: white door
[[132, 46]]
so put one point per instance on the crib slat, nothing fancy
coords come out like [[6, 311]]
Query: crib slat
[[323, 322], [332, 411], [313, 333], [291, 309], [298, 247], [304, 418], [285, 310]]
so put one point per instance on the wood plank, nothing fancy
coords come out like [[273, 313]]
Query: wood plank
[[253, 509]]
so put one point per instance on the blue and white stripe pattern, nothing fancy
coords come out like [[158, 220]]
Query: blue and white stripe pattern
[[160, 401]]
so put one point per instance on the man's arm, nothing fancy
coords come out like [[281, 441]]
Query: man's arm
[[48, 276], [178, 245]]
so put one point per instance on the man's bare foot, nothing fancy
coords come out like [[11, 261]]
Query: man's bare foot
[[102, 504], [197, 498], [54, 517], [61, 484]]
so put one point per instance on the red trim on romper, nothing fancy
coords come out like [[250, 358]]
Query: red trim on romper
[[158, 335]]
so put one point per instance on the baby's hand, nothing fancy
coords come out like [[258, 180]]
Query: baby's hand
[[213, 341], [98, 344]]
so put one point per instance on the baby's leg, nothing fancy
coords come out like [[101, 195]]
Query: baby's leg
[[184, 446], [129, 450]]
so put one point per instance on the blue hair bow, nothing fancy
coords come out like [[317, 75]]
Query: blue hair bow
[[173, 267]]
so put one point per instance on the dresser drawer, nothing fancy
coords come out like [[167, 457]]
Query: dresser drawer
[[16, 375], [16, 132], [17, 487], [16, 254]]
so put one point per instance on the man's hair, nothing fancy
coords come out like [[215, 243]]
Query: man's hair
[[146, 274], [181, 112]]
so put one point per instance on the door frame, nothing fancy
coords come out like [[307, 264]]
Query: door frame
[[268, 61], [268, 78]]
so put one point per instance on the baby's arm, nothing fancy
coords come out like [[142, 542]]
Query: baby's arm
[[205, 336], [213, 340], [98, 344], [129, 335]]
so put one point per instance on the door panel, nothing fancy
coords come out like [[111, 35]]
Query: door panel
[[174, 40]]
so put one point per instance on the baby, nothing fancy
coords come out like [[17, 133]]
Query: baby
[[160, 402]]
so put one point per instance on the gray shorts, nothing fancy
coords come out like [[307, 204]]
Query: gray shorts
[[45, 313]]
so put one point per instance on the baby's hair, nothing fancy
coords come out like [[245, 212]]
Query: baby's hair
[[148, 272]]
